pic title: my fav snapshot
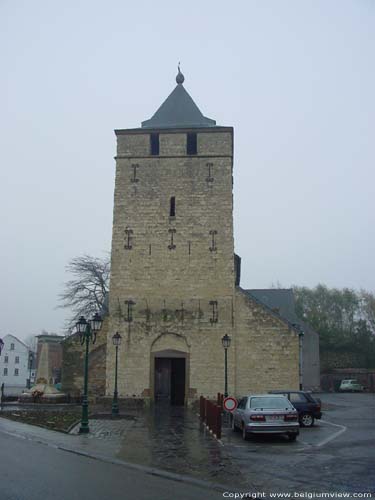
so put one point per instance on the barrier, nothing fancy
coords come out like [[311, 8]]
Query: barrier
[[210, 415]]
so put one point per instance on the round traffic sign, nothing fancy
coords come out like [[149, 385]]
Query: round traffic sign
[[230, 404]]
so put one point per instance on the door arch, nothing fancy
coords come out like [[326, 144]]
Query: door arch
[[169, 377]]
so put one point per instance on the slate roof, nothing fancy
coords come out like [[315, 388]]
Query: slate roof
[[281, 301], [178, 111]]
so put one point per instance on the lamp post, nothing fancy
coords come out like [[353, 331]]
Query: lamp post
[[300, 345], [116, 339], [226, 340], [301, 334], [87, 331], [31, 357]]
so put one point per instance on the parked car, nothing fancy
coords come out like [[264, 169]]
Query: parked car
[[265, 414], [308, 408], [350, 385]]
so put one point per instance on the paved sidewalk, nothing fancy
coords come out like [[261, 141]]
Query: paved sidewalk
[[106, 429]]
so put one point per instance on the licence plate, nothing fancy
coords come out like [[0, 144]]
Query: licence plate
[[274, 417]]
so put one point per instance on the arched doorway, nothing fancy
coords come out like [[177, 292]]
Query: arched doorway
[[170, 370]]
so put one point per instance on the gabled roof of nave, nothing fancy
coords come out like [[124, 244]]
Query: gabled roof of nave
[[281, 299], [178, 110]]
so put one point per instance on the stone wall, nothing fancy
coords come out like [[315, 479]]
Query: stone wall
[[330, 380], [173, 284], [266, 349], [73, 364]]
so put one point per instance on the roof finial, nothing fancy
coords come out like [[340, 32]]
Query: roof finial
[[180, 77]]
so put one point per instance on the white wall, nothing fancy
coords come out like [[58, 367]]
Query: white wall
[[14, 383]]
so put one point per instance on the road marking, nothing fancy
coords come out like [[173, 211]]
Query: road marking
[[305, 445], [334, 436]]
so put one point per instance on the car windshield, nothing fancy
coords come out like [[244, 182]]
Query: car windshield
[[270, 403]]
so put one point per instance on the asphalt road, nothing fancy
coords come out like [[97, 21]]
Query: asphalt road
[[33, 471], [336, 455]]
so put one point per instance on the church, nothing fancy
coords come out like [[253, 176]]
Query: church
[[174, 287]]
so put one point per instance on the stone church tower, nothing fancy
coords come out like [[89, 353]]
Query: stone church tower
[[173, 294]]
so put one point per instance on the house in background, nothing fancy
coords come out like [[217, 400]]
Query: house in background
[[281, 301], [16, 359]]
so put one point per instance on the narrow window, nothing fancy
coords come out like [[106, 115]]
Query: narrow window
[[172, 207], [12, 347], [6, 359], [17, 360], [5, 371], [16, 371], [191, 143], [154, 143]]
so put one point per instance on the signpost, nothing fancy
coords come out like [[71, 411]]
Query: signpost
[[230, 404]]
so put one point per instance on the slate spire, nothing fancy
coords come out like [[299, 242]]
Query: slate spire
[[178, 110]]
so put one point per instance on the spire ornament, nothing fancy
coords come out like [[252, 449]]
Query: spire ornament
[[180, 77]]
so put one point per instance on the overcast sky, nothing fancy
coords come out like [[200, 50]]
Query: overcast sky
[[295, 79]]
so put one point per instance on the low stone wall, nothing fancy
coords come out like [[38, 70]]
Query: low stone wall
[[330, 382]]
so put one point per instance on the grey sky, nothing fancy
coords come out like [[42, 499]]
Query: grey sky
[[296, 79]]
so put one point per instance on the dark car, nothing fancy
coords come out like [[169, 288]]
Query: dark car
[[308, 407]]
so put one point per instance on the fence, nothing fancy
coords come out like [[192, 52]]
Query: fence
[[210, 414]]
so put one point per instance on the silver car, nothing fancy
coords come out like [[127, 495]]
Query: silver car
[[266, 414]]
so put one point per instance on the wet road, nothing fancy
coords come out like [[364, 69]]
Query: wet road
[[170, 438], [33, 471], [338, 455]]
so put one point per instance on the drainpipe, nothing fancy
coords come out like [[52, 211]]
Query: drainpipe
[[300, 341]]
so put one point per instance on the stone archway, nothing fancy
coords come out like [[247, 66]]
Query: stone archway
[[169, 374]]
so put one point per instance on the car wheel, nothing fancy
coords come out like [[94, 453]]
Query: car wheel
[[292, 437], [306, 420], [245, 435]]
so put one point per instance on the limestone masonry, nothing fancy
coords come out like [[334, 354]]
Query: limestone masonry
[[172, 291]]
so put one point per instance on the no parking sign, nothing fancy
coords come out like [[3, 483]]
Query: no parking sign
[[230, 404]]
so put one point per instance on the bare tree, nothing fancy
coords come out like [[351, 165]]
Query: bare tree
[[85, 294]]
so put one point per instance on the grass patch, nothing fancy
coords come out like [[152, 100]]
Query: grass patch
[[54, 420]]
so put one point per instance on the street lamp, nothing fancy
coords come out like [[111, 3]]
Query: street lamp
[[301, 334], [31, 357], [226, 344], [87, 331], [116, 339]]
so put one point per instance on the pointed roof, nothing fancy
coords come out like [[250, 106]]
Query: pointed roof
[[178, 110]]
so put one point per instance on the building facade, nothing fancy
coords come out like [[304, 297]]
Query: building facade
[[17, 365], [173, 290], [281, 301]]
